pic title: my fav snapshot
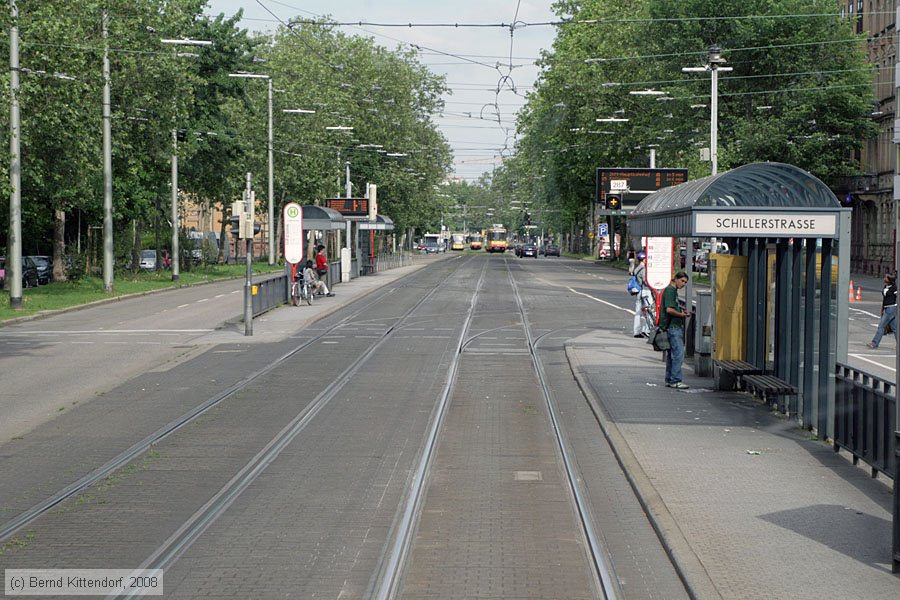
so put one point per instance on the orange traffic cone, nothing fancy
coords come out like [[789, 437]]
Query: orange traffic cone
[[852, 297], [859, 294]]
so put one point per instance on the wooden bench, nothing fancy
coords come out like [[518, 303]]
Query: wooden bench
[[769, 386], [737, 369]]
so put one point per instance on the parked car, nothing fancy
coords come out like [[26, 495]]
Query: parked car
[[551, 251], [148, 260], [29, 271], [701, 262], [44, 267], [528, 250]]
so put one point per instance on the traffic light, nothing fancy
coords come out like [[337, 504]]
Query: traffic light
[[613, 202], [237, 209]]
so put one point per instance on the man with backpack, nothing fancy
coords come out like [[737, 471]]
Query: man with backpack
[[643, 297]]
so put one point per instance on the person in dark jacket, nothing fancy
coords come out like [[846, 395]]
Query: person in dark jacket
[[888, 310]]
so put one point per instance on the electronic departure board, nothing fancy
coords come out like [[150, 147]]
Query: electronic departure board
[[349, 207], [635, 184]]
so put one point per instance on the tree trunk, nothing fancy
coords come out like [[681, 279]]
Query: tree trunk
[[59, 246], [223, 236]]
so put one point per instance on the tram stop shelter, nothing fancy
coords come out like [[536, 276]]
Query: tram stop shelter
[[779, 301], [369, 246]]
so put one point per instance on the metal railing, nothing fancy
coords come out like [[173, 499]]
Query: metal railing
[[270, 293], [865, 418]]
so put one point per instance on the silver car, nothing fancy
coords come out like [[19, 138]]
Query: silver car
[[148, 260]]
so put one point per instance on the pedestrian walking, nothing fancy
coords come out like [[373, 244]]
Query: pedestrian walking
[[643, 301], [672, 319], [888, 310]]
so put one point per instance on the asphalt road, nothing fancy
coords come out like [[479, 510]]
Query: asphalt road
[[47, 366]]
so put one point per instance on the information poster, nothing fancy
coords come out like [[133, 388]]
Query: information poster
[[660, 255]]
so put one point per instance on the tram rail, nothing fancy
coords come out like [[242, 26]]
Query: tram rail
[[28, 516]]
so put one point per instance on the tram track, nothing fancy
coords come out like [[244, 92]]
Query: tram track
[[168, 553], [389, 575], [120, 460], [389, 580], [600, 557]]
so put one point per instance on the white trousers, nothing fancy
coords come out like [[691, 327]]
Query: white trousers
[[642, 302]]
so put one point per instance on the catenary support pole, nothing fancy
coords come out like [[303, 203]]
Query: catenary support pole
[[14, 249], [248, 284], [271, 214], [108, 264], [174, 217]]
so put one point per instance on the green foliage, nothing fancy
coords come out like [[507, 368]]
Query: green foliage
[[386, 95], [800, 92]]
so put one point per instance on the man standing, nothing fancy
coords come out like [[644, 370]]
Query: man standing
[[672, 320]]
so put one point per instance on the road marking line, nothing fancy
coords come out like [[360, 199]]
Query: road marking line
[[82, 342], [220, 295], [110, 331], [115, 342], [201, 300], [861, 357], [182, 305], [329, 342], [225, 351], [153, 343], [865, 312]]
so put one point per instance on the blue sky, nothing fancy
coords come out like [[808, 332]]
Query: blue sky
[[477, 143]]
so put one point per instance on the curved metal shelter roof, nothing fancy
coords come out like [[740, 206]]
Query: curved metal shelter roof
[[321, 218], [758, 188], [381, 223]]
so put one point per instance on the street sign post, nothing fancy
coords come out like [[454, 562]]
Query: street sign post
[[293, 235]]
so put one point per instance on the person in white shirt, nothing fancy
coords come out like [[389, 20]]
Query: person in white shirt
[[309, 275], [643, 301]]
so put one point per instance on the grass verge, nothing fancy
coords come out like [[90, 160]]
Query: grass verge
[[59, 295]]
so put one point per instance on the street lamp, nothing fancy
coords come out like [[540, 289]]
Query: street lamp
[[175, 226], [714, 65], [271, 215]]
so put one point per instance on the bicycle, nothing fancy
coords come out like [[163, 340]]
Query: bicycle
[[300, 291]]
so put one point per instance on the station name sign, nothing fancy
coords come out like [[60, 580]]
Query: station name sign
[[777, 224]]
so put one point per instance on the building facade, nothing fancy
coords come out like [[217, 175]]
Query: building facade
[[872, 234]]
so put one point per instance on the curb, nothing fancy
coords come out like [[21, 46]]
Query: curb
[[238, 320], [687, 564], [59, 311]]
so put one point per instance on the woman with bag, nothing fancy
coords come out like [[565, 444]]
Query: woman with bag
[[321, 262]]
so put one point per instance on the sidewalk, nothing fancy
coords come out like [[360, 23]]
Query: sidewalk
[[748, 505]]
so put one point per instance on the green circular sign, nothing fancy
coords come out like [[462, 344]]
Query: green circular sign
[[293, 211]]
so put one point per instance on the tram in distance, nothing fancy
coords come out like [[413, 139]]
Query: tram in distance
[[475, 241], [495, 237], [457, 241]]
